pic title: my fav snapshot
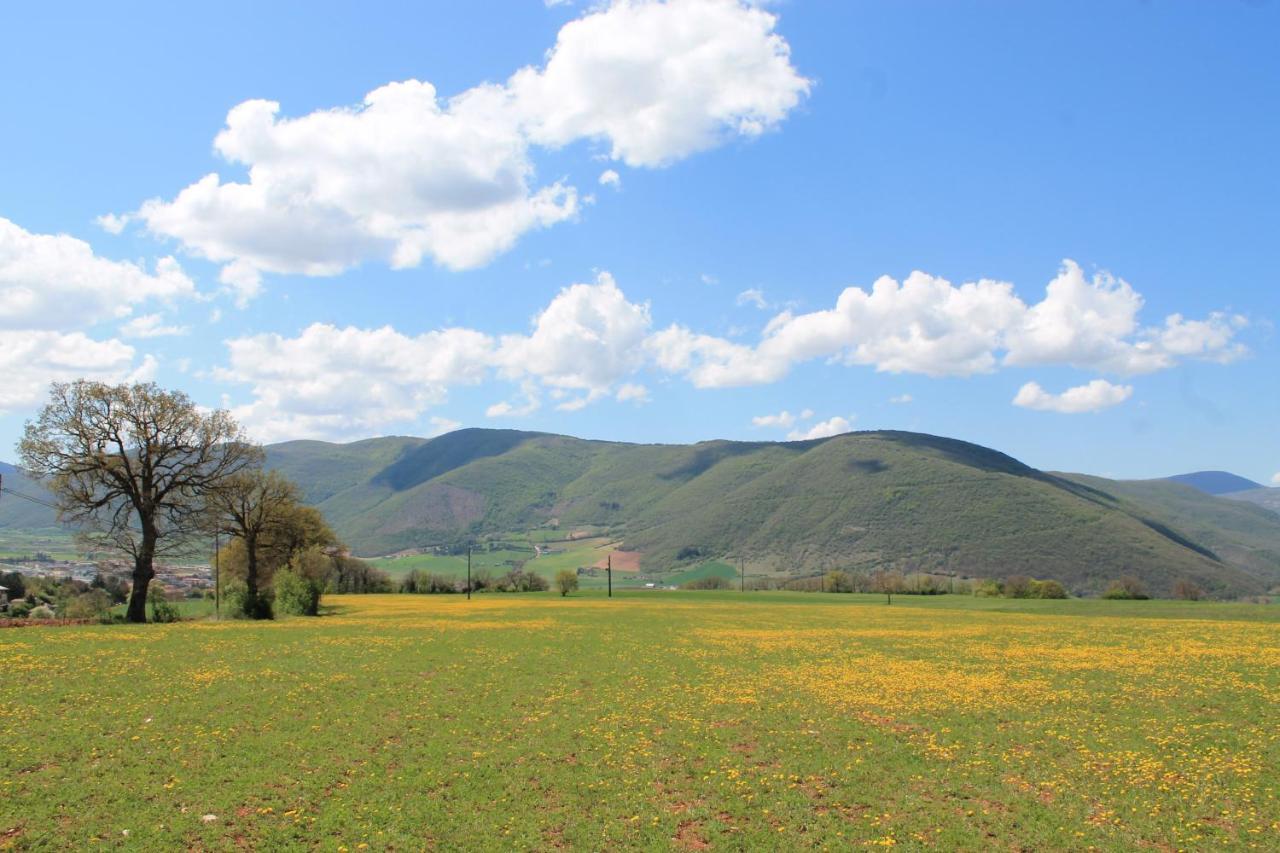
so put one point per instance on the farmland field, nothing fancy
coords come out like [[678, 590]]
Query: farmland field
[[651, 720]]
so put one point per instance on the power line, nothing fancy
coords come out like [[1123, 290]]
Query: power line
[[8, 491]]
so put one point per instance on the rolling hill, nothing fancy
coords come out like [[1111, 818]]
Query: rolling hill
[[860, 501]]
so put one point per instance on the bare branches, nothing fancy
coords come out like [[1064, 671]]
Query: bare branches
[[134, 464]]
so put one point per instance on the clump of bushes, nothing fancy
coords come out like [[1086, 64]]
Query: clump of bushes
[[1019, 586], [1127, 588], [162, 610], [709, 582]]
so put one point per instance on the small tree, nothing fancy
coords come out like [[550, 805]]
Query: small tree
[[132, 465], [566, 581], [261, 511], [888, 583]]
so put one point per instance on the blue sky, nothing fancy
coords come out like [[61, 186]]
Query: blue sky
[[452, 257]]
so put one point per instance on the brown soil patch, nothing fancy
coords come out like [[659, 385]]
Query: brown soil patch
[[623, 561], [689, 836]]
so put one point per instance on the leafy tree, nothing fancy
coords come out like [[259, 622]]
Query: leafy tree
[[133, 465], [1126, 588], [260, 510], [838, 581], [566, 581], [14, 583]]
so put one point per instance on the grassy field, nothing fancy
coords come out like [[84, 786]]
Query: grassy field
[[652, 720], [560, 555]]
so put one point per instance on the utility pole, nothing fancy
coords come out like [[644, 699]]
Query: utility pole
[[468, 573], [217, 578], [609, 568], [742, 573]]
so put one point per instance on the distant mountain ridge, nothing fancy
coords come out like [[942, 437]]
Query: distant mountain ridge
[[860, 501], [1216, 482]]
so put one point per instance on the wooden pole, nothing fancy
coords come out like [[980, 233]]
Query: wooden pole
[[217, 579], [609, 569]]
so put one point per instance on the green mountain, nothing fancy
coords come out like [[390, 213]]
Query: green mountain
[[860, 501]]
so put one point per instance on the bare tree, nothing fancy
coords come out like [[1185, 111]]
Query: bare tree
[[133, 465]]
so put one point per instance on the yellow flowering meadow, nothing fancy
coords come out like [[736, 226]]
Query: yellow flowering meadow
[[652, 720]]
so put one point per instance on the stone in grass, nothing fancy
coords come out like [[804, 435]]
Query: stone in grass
[[209, 818]]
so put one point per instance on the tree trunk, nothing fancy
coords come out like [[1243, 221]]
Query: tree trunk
[[251, 605], [143, 572]]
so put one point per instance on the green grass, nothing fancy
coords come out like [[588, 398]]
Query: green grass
[[650, 721]]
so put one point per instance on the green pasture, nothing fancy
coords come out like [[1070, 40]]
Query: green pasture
[[653, 720]]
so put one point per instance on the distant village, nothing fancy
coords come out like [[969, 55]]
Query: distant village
[[178, 580]]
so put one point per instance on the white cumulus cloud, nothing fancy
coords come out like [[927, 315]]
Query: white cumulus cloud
[[409, 175], [331, 382], [610, 178], [783, 419], [1091, 397], [927, 325], [57, 282], [30, 360], [823, 429], [589, 337]]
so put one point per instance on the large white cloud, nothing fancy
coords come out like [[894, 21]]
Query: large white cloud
[[660, 81], [57, 282], [588, 338], [331, 382], [1091, 397], [929, 326], [407, 176], [30, 360], [591, 342]]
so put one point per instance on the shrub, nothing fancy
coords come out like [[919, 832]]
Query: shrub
[[1018, 586], [987, 588], [710, 582], [19, 609], [161, 609], [1047, 589], [566, 581], [1127, 588], [296, 594], [235, 602], [94, 604], [41, 612]]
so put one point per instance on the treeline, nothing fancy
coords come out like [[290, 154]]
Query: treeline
[[482, 580]]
